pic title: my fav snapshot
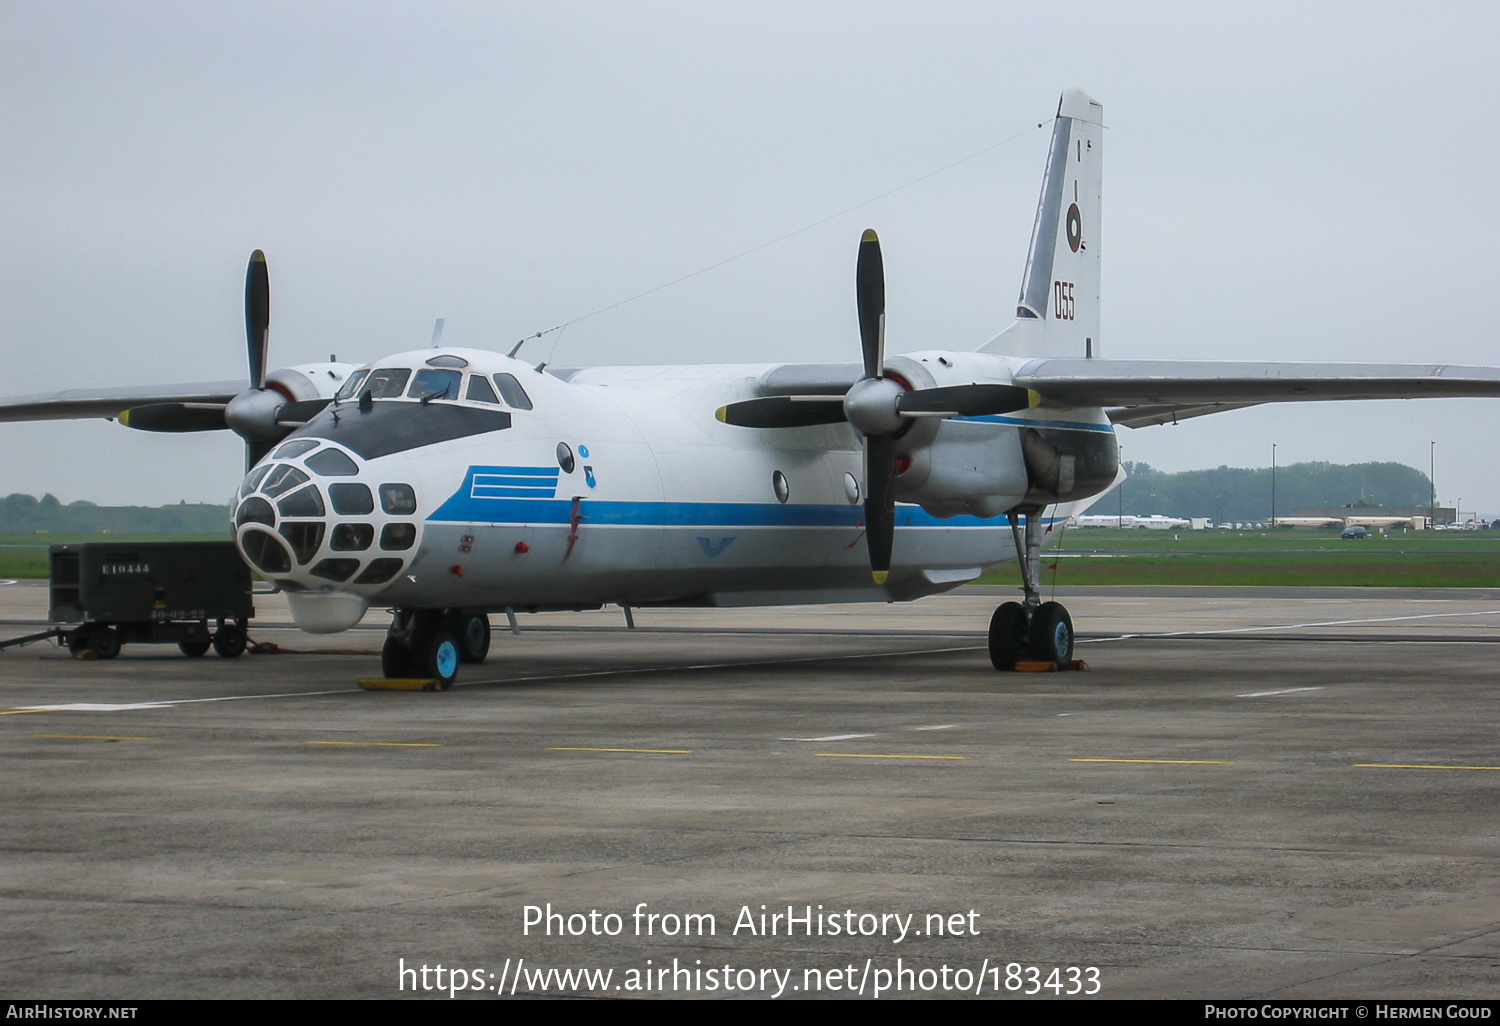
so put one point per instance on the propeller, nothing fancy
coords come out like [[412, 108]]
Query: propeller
[[257, 317], [262, 414], [878, 406]]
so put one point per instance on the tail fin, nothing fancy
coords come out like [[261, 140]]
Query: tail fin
[[1058, 311]]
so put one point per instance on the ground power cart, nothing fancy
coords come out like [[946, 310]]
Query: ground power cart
[[196, 594]]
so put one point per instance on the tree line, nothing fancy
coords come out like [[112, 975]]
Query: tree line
[[1244, 494]]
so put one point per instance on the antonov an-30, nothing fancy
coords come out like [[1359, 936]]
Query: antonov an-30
[[449, 484]]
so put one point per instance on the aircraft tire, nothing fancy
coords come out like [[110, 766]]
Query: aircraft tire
[[105, 641], [193, 649], [229, 641], [1007, 636], [396, 661], [439, 658], [1051, 635], [473, 635]]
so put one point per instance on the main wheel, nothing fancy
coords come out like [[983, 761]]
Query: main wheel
[[229, 641], [473, 637], [396, 661], [1007, 636], [193, 649], [105, 641], [1052, 634], [439, 657]]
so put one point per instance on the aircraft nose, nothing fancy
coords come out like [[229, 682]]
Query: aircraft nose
[[315, 517]]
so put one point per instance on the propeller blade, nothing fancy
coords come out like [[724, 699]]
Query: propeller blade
[[175, 417], [257, 316], [869, 287], [966, 400], [781, 411], [297, 414], [880, 503]]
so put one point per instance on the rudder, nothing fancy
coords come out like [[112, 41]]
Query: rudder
[[1057, 313]]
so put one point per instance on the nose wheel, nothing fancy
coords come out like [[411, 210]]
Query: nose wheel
[[418, 645], [1031, 631]]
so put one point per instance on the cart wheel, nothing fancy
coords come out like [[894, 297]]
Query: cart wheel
[[105, 641], [229, 641], [193, 649]]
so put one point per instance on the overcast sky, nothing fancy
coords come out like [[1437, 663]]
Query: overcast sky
[[1299, 181]]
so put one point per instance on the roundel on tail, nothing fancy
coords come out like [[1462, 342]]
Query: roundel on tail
[[1075, 228]]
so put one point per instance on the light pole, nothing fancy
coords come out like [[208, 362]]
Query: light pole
[[1273, 486], [1432, 483]]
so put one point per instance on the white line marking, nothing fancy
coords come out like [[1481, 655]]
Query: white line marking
[[619, 672], [1289, 626], [1283, 691], [939, 726], [168, 703], [831, 737]]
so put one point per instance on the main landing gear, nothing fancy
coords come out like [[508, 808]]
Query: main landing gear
[[429, 644], [1033, 630]]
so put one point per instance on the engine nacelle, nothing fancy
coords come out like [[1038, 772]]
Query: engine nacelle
[[252, 413], [984, 468]]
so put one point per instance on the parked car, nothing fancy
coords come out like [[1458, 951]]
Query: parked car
[[1355, 532]]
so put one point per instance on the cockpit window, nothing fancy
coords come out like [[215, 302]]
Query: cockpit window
[[332, 463], [351, 387], [388, 382], [515, 396], [283, 479], [253, 480], [435, 383], [480, 391], [296, 448]]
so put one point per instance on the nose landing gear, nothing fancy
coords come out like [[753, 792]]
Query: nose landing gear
[[429, 644], [1023, 634]]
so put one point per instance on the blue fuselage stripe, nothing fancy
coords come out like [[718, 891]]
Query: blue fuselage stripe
[[603, 513]]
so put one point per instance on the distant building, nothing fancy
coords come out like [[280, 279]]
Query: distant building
[[1444, 515]]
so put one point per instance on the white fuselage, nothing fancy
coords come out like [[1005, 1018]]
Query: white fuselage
[[618, 485]]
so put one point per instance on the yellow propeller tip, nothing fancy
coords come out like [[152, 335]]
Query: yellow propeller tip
[[258, 257], [1033, 397], [880, 575], [722, 415], [869, 236]]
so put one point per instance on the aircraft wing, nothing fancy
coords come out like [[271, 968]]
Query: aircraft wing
[[81, 403], [1143, 392]]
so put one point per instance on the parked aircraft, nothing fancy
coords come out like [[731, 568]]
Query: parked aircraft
[[450, 483]]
